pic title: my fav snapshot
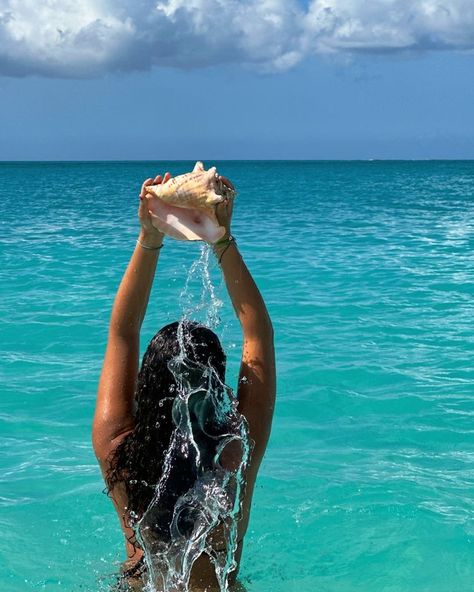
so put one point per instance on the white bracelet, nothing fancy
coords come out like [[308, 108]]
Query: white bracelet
[[148, 248]]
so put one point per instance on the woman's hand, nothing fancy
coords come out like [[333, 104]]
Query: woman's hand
[[149, 235], [224, 209]]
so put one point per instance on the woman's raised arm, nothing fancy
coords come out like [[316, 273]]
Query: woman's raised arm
[[114, 408], [257, 380]]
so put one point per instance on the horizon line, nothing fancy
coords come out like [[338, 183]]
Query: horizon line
[[138, 160]]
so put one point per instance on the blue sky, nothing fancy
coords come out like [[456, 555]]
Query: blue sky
[[280, 86]]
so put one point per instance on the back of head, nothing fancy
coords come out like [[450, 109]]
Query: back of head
[[187, 340], [138, 460]]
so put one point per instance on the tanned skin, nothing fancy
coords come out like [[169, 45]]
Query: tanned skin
[[256, 388]]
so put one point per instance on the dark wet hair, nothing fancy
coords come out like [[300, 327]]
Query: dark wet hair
[[137, 462]]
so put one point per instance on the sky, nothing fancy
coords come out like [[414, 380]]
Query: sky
[[238, 79]]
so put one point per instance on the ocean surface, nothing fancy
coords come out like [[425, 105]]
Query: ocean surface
[[368, 272]]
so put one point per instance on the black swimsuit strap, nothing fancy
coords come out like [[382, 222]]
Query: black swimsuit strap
[[136, 570]]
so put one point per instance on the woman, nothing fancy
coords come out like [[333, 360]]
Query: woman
[[134, 422]]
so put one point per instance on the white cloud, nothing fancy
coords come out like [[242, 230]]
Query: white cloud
[[70, 38], [390, 25]]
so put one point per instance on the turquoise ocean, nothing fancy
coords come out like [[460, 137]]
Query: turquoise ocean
[[368, 272]]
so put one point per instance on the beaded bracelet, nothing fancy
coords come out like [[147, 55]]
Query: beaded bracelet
[[227, 242], [147, 247], [223, 241]]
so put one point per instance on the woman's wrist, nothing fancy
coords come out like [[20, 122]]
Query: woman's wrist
[[152, 240], [222, 242], [224, 239], [222, 245]]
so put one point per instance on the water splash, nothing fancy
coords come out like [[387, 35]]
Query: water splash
[[197, 502]]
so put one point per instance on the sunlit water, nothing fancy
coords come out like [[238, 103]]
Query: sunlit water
[[367, 269]]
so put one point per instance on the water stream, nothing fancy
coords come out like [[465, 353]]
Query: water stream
[[198, 497]]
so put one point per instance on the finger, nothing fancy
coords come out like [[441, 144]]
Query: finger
[[167, 177], [230, 206], [145, 183], [227, 182], [157, 180], [221, 210]]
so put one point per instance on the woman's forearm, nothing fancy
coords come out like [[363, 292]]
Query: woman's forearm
[[134, 291], [246, 298]]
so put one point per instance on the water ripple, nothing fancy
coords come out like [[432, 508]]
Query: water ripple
[[368, 271]]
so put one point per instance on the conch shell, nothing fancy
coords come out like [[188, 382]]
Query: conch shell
[[185, 206]]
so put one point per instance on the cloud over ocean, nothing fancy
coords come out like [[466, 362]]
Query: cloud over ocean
[[66, 38]]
